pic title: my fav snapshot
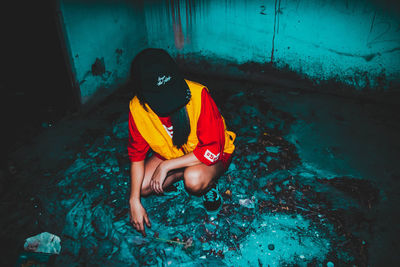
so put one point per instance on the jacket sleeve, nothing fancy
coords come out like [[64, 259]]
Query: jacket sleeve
[[137, 145], [210, 131]]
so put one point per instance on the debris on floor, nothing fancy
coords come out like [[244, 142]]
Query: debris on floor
[[43, 243], [273, 214]]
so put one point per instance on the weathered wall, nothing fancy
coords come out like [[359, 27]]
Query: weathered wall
[[103, 37], [354, 42]]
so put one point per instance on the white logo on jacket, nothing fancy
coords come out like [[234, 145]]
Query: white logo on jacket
[[210, 156], [170, 130], [162, 80]]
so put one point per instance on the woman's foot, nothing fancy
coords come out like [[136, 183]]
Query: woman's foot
[[212, 200]]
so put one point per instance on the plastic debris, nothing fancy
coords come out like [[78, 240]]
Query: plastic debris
[[44, 243], [248, 203]]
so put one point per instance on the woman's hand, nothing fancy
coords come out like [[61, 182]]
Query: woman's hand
[[158, 178], [138, 216]]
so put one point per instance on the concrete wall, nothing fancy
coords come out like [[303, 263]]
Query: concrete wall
[[353, 42], [102, 37]]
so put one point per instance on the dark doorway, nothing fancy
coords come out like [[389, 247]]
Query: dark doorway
[[35, 85]]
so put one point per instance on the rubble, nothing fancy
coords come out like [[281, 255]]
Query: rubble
[[43, 243], [272, 214]]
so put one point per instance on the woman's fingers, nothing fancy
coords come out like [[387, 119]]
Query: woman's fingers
[[135, 225], [160, 188], [146, 219], [141, 229], [156, 186], [157, 181]]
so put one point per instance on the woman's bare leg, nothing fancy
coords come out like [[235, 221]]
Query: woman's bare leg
[[199, 178]]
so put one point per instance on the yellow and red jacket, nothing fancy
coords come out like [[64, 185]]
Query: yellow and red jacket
[[152, 130]]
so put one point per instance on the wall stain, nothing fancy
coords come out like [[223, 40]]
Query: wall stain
[[98, 67], [176, 15], [118, 51], [367, 57], [189, 5], [392, 50], [177, 24], [176, 9]]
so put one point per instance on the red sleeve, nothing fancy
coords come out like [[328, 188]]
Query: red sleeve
[[210, 131], [137, 146]]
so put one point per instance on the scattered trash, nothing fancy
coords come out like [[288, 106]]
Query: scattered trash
[[248, 203], [44, 243], [261, 181], [189, 243]]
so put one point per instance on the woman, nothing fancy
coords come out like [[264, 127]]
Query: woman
[[180, 122]]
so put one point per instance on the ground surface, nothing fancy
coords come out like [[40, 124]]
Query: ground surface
[[314, 181]]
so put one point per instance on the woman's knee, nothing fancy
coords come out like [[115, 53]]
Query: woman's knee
[[194, 181]]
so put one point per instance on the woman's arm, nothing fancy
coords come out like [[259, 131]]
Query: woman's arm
[[162, 170], [185, 161], [137, 175], [138, 214]]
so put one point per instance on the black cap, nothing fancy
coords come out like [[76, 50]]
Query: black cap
[[159, 80]]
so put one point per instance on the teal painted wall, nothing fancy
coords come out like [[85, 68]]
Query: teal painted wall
[[111, 32], [354, 42]]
